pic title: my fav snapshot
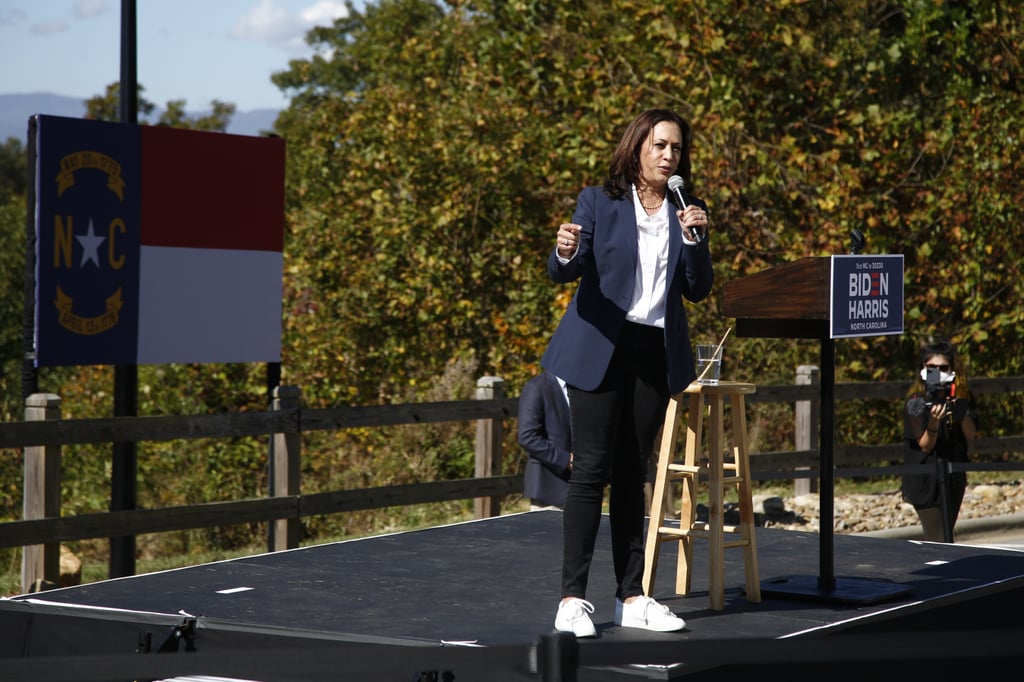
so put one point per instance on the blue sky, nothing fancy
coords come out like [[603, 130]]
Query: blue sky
[[196, 50]]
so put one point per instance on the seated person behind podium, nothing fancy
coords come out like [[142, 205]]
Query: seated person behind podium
[[938, 421], [546, 435]]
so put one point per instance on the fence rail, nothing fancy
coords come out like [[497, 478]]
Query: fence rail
[[44, 433]]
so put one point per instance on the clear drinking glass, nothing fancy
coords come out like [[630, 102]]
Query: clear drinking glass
[[709, 363]]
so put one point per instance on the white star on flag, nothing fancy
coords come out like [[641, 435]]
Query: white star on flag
[[90, 246]]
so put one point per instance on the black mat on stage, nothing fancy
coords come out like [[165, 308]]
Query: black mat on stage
[[495, 583]]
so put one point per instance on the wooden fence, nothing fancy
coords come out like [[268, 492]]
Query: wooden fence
[[44, 433]]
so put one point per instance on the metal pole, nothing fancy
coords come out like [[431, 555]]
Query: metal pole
[[945, 481], [826, 497], [124, 469]]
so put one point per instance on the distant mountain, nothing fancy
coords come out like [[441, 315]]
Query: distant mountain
[[15, 110], [253, 122]]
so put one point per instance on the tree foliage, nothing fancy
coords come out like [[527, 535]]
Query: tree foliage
[[106, 107], [433, 147], [169, 473], [431, 156]]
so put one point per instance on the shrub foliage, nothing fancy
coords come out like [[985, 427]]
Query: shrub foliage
[[432, 154]]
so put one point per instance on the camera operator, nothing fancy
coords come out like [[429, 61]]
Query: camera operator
[[938, 424]]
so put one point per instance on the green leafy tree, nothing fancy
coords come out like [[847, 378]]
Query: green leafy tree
[[13, 192], [169, 473], [106, 107], [216, 121], [432, 154], [13, 169]]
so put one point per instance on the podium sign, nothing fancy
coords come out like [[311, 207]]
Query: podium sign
[[823, 298], [866, 296]]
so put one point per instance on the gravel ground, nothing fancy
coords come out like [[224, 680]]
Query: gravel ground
[[858, 513]]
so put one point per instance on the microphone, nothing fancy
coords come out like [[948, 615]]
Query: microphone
[[856, 241], [677, 185]]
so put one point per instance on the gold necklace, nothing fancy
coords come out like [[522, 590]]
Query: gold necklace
[[650, 208]]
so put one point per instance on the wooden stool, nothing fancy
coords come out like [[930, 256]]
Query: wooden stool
[[714, 468]]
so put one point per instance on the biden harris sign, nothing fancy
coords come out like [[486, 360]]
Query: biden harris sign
[[867, 295], [155, 245]]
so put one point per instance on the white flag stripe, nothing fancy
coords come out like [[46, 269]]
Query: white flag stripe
[[209, 305]]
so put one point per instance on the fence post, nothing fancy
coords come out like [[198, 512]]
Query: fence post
[[489, 438], [40, 564], [808, 420], [287, 466]]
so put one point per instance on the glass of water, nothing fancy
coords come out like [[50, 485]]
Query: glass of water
[[709, 363]]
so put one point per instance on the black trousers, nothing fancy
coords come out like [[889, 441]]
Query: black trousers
[[614, 428]]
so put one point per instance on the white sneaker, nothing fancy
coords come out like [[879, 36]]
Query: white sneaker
[[573, 616], [644, 612]]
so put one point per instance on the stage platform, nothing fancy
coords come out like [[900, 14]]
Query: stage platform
[[476, 601]]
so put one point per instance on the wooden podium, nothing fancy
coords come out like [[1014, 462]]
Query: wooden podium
[[793, 300], [790, 301]]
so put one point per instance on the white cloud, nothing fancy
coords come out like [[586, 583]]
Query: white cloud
[[83, 9], [323, 13], [12, 16], [267, 22], [87, 9], [45, 28], [270, 23]]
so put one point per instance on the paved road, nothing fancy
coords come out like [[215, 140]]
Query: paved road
[[998, 531]]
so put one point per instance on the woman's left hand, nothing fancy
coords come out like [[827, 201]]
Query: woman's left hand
[[694, 221]]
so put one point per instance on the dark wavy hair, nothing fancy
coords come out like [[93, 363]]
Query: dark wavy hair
[[939, 348], [625, 166]]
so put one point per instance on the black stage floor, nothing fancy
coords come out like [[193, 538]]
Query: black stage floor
[[391, 603]]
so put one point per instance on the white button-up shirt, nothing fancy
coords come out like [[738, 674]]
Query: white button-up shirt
[[647, 305]]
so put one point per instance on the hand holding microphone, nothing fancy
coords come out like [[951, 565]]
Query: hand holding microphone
[[677, 186]]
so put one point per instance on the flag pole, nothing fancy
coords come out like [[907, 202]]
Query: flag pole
[[124, 468]]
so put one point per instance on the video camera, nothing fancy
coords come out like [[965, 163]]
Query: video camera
[[936, 390]]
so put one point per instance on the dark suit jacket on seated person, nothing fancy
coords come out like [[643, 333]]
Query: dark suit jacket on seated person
[[597, 312], [545, 432]]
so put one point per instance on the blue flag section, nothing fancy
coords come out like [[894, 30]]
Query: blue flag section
[[87, 251], [867, 295], [156, 245]]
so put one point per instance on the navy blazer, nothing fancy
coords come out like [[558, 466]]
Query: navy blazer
[[605, 263], [545, 432]]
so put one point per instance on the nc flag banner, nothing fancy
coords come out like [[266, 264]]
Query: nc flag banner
[[156, 245]]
